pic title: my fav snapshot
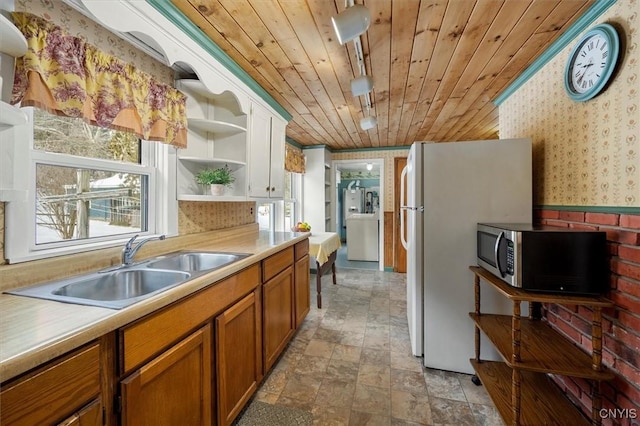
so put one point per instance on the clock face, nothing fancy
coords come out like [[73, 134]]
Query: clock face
[[591, 63]]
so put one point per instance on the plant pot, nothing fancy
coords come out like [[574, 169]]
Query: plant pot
[[217, 189]]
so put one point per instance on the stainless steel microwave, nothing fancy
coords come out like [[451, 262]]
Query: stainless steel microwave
[[545, 258]]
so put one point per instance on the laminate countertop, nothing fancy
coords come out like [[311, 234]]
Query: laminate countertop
[[34, 331]]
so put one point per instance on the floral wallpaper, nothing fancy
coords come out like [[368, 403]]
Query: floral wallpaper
[[584, 153], [360, 174], [294, 159], [388, 178], [80, 26]]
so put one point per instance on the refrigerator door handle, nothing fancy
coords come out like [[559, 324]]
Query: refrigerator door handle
[[403, 176]]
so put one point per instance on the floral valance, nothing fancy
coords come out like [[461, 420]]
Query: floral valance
[[67, 76], [293, 159]]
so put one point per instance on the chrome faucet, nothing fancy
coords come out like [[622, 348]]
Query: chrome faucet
[[129, 251]]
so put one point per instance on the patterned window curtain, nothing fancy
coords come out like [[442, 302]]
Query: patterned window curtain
[[294, 159], [67, 76]]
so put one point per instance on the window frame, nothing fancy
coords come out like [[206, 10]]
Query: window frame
[[21, 214], [295, 199]]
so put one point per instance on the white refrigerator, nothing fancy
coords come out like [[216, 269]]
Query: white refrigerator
[[451, 187]]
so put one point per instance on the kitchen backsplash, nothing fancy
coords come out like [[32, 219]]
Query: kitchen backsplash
[[195, 216]]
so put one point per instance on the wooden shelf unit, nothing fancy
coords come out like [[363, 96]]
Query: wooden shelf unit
[[519, 387]]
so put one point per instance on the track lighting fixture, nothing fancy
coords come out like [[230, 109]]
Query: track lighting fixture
[[368, 122], [361, 85], [351, 22]]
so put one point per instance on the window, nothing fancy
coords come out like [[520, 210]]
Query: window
[[282, 215], [88, 187], [266, 216], [292, 199]]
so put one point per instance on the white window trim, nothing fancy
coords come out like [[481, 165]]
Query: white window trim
[[20, 214]]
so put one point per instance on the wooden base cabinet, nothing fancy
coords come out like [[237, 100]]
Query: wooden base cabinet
[[174, 388], [302, 278], [519, 387], [91, 415], [61, 392], [238, 356], [277, 304]]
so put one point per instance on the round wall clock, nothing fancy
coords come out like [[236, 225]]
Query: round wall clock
[[591, 62]]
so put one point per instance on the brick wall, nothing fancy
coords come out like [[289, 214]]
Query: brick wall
[[620, 325]]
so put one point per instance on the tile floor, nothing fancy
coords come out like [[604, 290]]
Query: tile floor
[[342, 261], [350, 363]]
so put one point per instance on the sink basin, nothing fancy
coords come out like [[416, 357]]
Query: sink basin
[[114, 289], [124, 286], [121, 284], [195, 261]]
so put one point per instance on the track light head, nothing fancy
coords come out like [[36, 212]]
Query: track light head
[[351, 22], [361, 85], [368, 122]]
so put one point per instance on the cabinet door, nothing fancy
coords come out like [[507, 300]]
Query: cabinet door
[[278, 129], [302, 295], [278, 315], [54, 392], [238, 356], [174, 388], [260, 152], [91, 415]]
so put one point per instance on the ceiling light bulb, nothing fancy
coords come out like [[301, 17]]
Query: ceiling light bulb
[[368, 123], [369, 166], [351, 22], [361, 85]]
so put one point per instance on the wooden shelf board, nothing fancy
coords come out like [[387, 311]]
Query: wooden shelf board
[[542, 349], [11, 115], [203, 160], [514, 293], [225, 99], [542, 402], [190, 197], [220, 128], [12, 42]]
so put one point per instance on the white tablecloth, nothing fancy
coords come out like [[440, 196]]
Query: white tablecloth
[[322, 244]]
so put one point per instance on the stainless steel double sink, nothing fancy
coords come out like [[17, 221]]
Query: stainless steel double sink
[[120, 287]]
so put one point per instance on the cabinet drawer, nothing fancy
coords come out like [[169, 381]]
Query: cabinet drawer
[[301, 249], [276, 263], [148, 336], [55, 392]]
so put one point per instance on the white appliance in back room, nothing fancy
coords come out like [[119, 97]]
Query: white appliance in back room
[[451, 187]]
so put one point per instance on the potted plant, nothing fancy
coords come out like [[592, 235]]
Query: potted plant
[[217, 179]]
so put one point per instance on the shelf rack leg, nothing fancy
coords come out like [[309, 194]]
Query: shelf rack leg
[[476, 287], [596, 339], [535, 310], [596, 403], [516, 378], [515, 331], [596, 364]]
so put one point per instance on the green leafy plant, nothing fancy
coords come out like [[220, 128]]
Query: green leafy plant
[[219, 176]]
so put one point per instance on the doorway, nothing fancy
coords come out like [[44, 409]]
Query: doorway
[[399, 252], [359, 195]]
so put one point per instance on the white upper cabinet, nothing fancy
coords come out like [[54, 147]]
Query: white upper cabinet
[[217, 137], [266, 154], [12, 45], [232, 121]]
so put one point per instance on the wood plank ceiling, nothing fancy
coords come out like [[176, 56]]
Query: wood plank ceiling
[[436, 65]]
